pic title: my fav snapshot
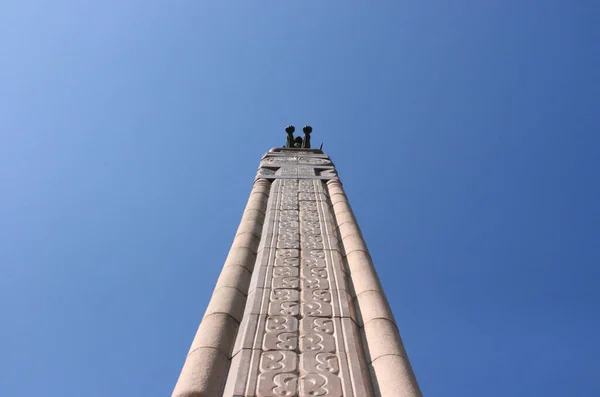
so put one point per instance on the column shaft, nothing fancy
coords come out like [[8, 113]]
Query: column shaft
[[391, 372], [207, 363]]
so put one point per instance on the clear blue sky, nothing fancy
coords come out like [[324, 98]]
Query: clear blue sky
[[466, 133]]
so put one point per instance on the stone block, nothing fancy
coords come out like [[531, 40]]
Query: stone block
[[381, 337], [348, 229], [393, 377], [285, 282], [253, 216], [203, 374], [353, 243], [316, 308], [257, 201], [343, 217], [316, 334], [227, 300], [320, 384], [246, 240], [278, 374], [341, 206], [284, 307], [235, 277], [371, 305], [216, 331], [285, 261], [288, 253], [337, 197], [362, 274], [281, 333]]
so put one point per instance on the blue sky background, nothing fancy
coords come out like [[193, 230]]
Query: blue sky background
[[466, 134]]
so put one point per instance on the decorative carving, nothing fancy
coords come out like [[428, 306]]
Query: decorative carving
[[320, 384], [285, 271], [289, 205], [316, 309], [281, 333], [311, 229], [314, 254], [281, 159], [281, 341], [286, 282], [317, 334], [286, 261], [314, 271], [312, 238], [278, 377], [313, 283], [311, 225], [307, 160], [288, 218], [313, 262], [324, 325], [307, 196], [308, 206], [282, 361], [305, 171], [284, 302], [284, 295], [288, 171], [315, 361], [306, 184], [284, 235], [289, 244], [318, 295], [284, 308], [284, 385], [308, 245], [289, 224], [281, 323], [309, 216], [288, 253], [297, 332]]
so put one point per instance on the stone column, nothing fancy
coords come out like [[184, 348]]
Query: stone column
[[391, 372], [207, 363]]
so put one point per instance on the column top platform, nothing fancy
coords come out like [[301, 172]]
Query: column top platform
[[296, 163]]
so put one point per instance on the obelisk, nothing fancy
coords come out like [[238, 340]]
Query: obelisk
[[298, 309]]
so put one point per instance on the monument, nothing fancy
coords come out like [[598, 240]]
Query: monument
[[298, 309]]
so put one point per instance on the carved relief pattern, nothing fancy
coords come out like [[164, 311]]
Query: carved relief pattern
[[281, 333], [319, 366], [318, 167], [291, 159], [308, 160], [296, 346]]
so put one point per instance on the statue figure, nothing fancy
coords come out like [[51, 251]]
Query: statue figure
[[298, 142], [307, 130]]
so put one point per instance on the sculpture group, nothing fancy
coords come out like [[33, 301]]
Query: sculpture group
[[298, 142]]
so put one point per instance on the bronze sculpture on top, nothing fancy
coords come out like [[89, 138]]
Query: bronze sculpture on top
[[298, 142]]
